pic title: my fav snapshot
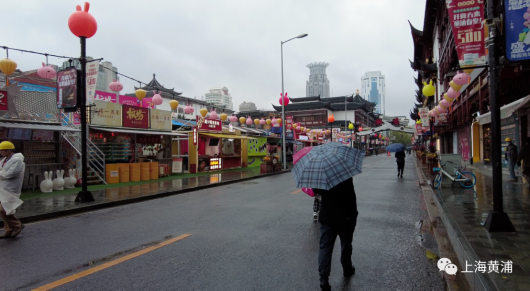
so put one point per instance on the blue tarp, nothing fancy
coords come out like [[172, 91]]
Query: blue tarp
[[181, 122]]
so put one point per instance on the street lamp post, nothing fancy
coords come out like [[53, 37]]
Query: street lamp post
[[83, 25], [284, 162]]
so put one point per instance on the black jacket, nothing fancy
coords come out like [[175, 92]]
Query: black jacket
[[339, 204], [511, 152], [400, 156]]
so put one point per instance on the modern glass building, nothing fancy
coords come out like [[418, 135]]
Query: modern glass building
[[373, 89]]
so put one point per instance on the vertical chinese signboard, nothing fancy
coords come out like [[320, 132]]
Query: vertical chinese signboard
[[424, 115], [517, 28], [67, 88], [289, 122], [136, 117], [92, 69], [468, 30], [3, 101]]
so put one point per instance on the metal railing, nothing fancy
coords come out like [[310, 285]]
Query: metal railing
[[96, 158]]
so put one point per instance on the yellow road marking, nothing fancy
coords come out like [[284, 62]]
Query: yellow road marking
[[296, 191], [109, 264]]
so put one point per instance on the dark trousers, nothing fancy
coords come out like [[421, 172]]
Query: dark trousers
[[401, 166], [328, 234]]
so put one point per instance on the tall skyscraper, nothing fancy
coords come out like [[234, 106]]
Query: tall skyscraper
[[219, 97], [373, 89], [318, 83]]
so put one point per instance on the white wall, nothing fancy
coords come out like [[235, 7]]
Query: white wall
[[339, 115]]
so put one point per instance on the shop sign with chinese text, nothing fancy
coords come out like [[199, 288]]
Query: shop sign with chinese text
[[67, 88], [424, 115], [160, 119], [207, 124], [106, 113], [136, 117], [466, 18], [92, 70], [517, 29], [289, 122], [3, 100], [195, 135]]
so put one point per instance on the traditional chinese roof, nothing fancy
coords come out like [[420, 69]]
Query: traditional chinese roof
[[303, 106], [304, 99], [416, 33], [338, 99], [155, 85], [433, 68], [350, 106]]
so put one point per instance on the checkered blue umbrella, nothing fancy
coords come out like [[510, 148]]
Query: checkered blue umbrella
[[327, 165]]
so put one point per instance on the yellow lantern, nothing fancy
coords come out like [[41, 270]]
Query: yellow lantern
[[350, 126], [302, 128], [418, 122], [140, 94], [173, 104], [223, 116], [279, 120], [294, 126], [428, 90], [268, 121], [242, 120], [455, 86], [468, 71], [203, 112], [256, 121], [307, 130], [8, 66]]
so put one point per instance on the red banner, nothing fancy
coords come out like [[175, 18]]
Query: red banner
[[289, 122], [207, 124], [466, 19], [3, 100], [136, 117]]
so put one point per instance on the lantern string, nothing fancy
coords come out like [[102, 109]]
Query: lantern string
[[33, 52]]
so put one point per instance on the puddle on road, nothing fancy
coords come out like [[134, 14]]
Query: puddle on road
[[426, 240]]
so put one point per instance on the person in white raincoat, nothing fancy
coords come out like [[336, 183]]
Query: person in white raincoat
[[11, 174]]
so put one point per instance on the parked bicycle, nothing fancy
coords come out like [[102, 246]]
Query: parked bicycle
[[465, 178]]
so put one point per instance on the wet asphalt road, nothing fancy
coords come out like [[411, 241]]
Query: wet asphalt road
[[255, 235]]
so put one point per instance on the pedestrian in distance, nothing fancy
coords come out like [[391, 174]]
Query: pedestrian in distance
[[511, 157], [11, 175], [338, 217], [400, 160], [524, 156]]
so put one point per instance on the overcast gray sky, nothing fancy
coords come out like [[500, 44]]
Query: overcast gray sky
[[195, 45]]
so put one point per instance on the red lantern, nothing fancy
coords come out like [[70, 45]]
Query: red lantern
[[82, 23], [101, 135], [331, 118], [284, 99], [113, 134], [360, 128]]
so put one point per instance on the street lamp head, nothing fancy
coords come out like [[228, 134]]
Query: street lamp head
[[82, 23], [302, 35]]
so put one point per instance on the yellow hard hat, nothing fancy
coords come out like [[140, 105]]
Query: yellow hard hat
[[507, 139], [7, 145]]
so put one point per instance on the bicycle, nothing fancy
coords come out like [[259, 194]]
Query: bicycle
[[465, 178]]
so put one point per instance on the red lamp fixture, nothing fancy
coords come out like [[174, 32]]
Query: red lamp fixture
[[82, 23], [331, 118]]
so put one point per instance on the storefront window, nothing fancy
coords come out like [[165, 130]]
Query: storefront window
[[231, 147]]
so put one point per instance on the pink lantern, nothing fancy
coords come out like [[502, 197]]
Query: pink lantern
[[115, 86], [157, 99], [274, 121], [249, 121], [445, 103], [188, 109], [262, 121], [46, 72], [452, 93], [431, 113], [213, 114], [461, 78], [284, 99], [233, 118]]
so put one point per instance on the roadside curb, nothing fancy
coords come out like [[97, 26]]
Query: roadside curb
[[100, 206], [439, 229]]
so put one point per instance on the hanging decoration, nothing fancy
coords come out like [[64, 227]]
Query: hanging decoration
[[284, 99], [140, 94], [223, 116], [174, 104], [7, 66], [188, 109], [461, 78], [233, 118], [428, 89], [279, 120], [213, 114], [157, 99], [249, 120], [46, 72], [82, 23], [256, 121], [262, 121], [268, 121], [331, 118], [115, 86], [203, 112]]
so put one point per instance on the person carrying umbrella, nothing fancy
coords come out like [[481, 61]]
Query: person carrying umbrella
[[400, 160], [328, 170]]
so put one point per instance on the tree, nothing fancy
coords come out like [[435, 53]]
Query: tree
[[401, 137]]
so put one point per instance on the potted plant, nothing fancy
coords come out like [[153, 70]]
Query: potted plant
[[277, 166], [266, 166], [432, 158]]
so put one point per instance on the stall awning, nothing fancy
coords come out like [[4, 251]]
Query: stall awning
[[220, 135], [506, 111], [134, 131], [37, 126], [183, 122]]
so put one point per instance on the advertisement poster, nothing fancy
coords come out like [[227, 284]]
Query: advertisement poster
[[176, 166], [206, 124], [3, 100], [105, 96], [423, 112], [517, 29], [133, 101], [440, 120], [161, 119], [136, 117], [92, 69], [106, 113], [466, 19], [67, 88], [19, 134]]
